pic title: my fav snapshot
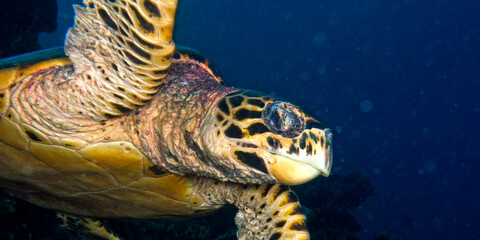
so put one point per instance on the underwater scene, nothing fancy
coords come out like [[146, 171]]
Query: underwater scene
[[397, 82]]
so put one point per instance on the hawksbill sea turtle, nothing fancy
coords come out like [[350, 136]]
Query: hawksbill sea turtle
[[127, 126]]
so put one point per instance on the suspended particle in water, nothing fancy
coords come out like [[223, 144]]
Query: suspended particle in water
[[366, 106], [437, 221], [288, 16], [322, 69], [338, 129], [401, 164], [319, 38], [304, 77], [430, 166]]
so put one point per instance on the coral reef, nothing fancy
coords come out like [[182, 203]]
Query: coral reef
[[328, 202], [386, 235]]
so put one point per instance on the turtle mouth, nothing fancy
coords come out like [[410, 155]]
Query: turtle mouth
[[303, 160]]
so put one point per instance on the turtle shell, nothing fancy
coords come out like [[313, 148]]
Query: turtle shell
[[102, 176]]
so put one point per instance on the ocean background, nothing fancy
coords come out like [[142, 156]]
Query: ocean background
[[398, 82]]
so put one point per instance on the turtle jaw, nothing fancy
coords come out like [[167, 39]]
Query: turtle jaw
[[291, 172], [293, 165]]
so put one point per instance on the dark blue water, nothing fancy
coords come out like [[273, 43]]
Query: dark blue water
[[397, 81]]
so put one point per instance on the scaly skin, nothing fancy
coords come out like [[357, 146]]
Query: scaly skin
[[242, 146], [268, 211], [176, 113], [121, 52], [159, 130], [133, 132]]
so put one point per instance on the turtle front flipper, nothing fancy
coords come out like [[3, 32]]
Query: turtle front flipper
[[86, 227], [121, 52], [270, 211]]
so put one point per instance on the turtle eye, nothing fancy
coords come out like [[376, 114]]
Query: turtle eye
[[284, 119]]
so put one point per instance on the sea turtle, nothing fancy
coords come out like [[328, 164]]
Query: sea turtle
[[127, 127]]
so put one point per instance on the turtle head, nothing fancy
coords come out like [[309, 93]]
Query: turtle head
[[269, 136]]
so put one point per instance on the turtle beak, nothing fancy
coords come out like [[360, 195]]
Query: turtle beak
[[301, 159]]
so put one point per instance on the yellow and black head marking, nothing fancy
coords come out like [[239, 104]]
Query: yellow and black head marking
[[271, 136]]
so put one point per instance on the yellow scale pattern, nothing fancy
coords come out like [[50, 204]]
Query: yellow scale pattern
[[125, 55], [54, 170], [270, 212]]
